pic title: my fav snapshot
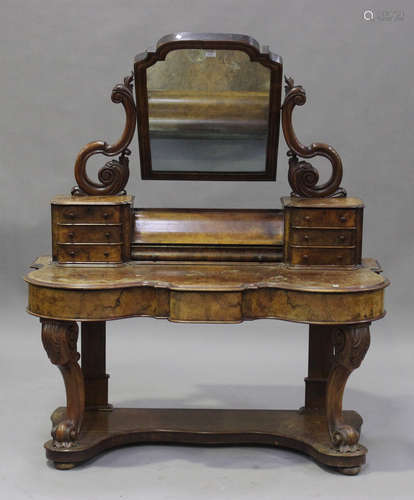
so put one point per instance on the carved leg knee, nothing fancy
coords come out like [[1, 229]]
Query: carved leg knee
[[351, 342], [59, 340]]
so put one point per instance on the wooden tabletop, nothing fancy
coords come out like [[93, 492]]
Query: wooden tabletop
[[207, 276]]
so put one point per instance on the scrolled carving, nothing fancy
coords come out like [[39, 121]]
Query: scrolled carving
[[64, 434], [345, 438], [113, 176], [60, 343], [303, 177], [350, 344], [59, 339]]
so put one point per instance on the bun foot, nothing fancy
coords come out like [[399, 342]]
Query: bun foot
[[349, 471], [64, 465]]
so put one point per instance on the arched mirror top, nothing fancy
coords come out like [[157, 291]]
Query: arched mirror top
[[208, 108], [188, 40]]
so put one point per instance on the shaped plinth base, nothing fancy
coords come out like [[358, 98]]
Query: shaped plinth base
[[304, 431]]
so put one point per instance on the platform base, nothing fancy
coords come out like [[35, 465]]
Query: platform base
[[303, 431]]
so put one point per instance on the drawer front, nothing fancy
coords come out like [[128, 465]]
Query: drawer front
[[323, 217], [323, 256], [89, 253], [322, 236], [89, 234], [88, 213]]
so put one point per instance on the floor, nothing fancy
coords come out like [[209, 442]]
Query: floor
[[154, 363]]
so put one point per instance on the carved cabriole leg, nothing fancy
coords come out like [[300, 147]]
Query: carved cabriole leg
[[59, 340], [319, 366], [351, 342]]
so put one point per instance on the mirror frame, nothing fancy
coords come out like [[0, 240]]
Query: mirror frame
[[208, 41]]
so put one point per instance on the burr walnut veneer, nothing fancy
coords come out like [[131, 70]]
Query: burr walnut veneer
[[301, 262]]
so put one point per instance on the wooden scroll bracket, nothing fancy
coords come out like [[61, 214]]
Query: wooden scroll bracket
[[114, 175], [303, 177]]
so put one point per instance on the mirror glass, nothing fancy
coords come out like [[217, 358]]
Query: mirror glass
[[208, 112]]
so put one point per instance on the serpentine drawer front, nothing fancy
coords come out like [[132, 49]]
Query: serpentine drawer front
[[322, 217], [89, 253], [322, 237], [88, 213], [89, 233]]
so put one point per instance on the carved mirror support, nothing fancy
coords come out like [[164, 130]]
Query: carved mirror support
[[303, 177], [114, 175], [208, 108]]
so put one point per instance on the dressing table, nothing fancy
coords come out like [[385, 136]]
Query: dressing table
[[207, 107]]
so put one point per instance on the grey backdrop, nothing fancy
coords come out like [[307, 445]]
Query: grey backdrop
[[58, 61]]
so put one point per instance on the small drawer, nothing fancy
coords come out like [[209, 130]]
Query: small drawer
[[89, 253], [88, 234], [322, 256], [323, 217], [322, 237], [88, 213]]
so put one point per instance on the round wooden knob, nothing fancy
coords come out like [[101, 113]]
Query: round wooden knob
[[341, 237], [107, 235], [308, 218], [71, 215], [306, 237], [340, 257], [71, 235], [106, 254], [106, 215], [306, 256], [342, 218], [72, 253]]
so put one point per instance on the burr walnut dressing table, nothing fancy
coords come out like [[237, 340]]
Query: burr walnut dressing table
[[208, 107]]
